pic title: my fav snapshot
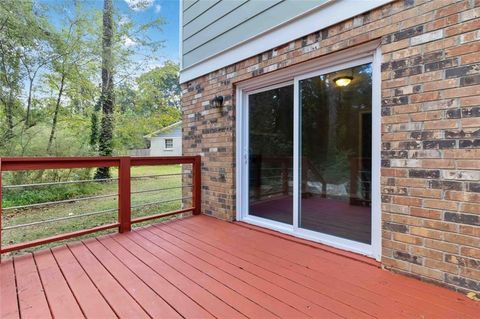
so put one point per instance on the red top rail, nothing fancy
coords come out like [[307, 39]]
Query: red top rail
[[124, 164]]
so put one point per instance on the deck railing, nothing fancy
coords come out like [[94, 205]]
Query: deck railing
[[124, 165]]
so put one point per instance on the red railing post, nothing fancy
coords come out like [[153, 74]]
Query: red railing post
[[124, 196], [197, 185]]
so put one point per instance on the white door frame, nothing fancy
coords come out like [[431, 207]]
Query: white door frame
[[367, 53]]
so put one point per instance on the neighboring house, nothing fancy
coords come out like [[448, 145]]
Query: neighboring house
[[351, 123], [167, 141]]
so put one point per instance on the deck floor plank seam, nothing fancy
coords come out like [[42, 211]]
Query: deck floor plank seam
[[216, 273], [42, 284], [120, 300], [402, 281], [234, 298], [255, 241], [231, 297], [367, 305], [8, 294], [303, 291], [146, 297], [212, 303], [186, 306], [32, 299], [240, 300], [412, 283], [87, 294], [68, 284], [284, 295], [59, 296]]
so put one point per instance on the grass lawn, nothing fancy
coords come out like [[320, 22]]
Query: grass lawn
[[148, 188]]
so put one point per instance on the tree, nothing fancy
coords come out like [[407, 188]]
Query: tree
[[149, 104], [53, 98], [159, 89], [106, 99]]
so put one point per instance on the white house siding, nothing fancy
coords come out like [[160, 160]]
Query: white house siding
[[157, 143], [157, 147]]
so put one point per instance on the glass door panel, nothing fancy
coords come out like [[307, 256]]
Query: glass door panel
[[335, 153], [270, 164]]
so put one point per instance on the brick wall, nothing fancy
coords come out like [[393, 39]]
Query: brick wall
[[430, 131]]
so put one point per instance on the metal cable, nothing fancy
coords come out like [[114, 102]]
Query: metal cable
[[160, 202], [79, 199], [159, 189], [60, 219], [88, 181]]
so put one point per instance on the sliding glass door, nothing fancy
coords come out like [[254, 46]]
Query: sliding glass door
[[336, 147], [270, 136], [308, 158]]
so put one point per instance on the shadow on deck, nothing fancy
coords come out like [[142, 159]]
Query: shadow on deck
[[200, 267]]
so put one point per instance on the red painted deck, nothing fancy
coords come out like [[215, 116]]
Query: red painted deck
[[200, 267]]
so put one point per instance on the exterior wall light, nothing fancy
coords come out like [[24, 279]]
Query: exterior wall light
[[343, 80], [217, 101]]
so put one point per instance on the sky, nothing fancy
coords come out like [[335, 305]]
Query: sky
[[141, 11]]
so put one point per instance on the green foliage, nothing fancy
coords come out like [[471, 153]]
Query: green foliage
[[50, 80], [151, 103], [94, 130], [17, 197], [158, 89]]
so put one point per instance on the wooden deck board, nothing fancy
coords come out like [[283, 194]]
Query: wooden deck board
[[242, 288], [390, 288], [231, 297], [190, 282], [205, 260], [86, 294], [174, 296], [355, 298], [300, 285], [8, 292], [119, 299], [200, 267], [147, 298], [62, 302], [31, 297]]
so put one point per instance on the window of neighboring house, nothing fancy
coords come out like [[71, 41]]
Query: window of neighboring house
[[168, 143]]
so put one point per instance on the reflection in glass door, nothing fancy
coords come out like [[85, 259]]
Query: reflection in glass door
[[335, 153], [270, 164]]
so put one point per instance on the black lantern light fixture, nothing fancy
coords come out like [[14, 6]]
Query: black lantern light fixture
[[217, 101]]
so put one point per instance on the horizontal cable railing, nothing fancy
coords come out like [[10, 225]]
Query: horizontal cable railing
[[86, 181], [60, 219], [65, 201], [190, 189]]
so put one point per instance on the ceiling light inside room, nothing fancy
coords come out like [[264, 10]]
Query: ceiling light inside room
[[343, 80]]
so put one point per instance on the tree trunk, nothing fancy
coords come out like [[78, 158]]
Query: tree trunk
[[9, 118], [105, 145], [10, 81], [55, 114], [29, 103]]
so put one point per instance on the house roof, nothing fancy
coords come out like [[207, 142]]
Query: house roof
[[164, 130]]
